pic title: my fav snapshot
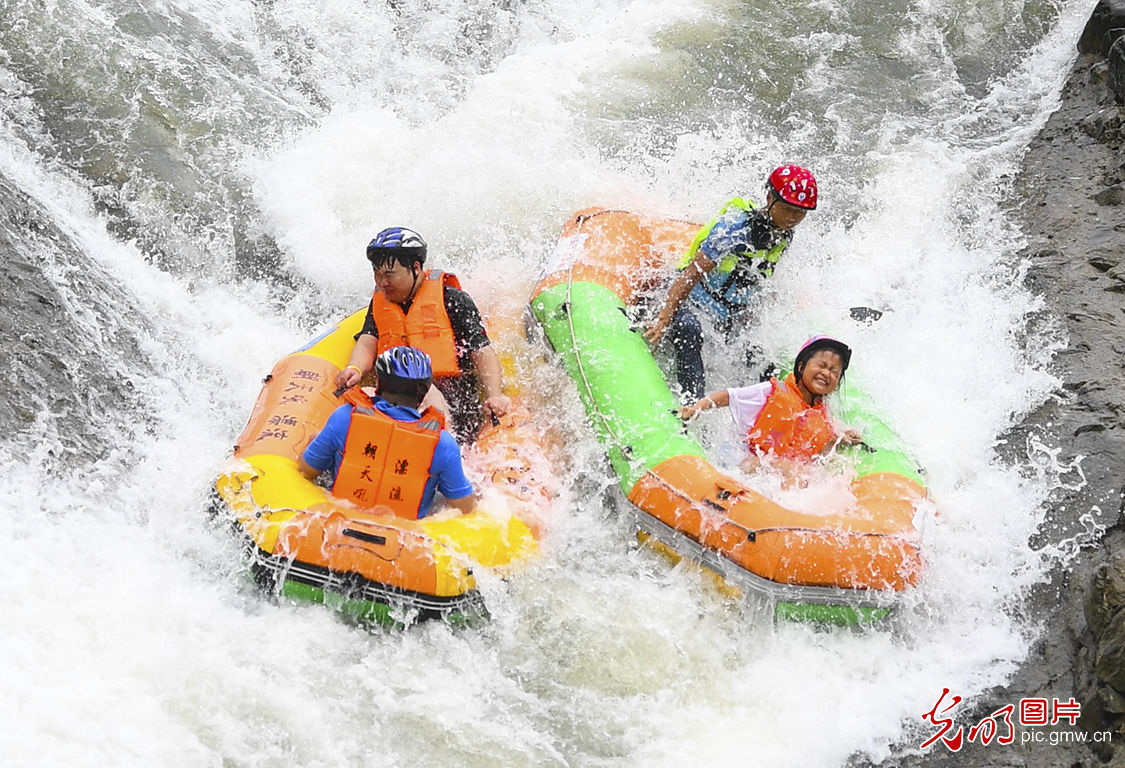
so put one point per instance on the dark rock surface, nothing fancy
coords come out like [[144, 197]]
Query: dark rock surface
[[1071, 199], [1074, 190], [65, 363]]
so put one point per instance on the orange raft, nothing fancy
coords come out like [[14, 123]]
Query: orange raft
[[844, 564], [375, 567]]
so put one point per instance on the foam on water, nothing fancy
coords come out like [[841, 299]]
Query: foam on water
[[133, 637]]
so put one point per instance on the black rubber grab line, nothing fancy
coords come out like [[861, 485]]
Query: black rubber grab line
[[370, 538]]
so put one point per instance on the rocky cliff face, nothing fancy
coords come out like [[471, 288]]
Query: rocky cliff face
[[1071, 199], [1074, 190]]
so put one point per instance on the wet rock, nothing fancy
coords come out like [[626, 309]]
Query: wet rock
[[62, 367], [1111, 701], [1106, 598], [1109, 661], [1114, 195], [1104, 125], [1115, 71], [1109, 40], [1104, 260], [1107, 15]]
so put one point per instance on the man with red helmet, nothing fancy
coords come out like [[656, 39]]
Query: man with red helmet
[[721, 270]]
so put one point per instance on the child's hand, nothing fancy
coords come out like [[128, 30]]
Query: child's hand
[[713, 400]]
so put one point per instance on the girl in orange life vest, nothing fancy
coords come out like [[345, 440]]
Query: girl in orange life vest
[[427, 309], [788, 419], [383, 452]]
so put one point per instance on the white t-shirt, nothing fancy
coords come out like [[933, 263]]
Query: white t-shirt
[[746, 403]]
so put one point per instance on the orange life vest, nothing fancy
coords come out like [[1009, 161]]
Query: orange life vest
[[426, 326], [790, 427], [386, 462]]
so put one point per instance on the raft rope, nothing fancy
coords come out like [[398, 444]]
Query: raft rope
[[625, 449]]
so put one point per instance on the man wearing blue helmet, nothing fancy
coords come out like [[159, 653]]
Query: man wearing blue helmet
[[428, 310], [383, 452]]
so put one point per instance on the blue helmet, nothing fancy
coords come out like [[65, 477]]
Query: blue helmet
[[404, 369], [397, 243]]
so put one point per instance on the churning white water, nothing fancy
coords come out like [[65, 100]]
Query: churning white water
[[153, 155]]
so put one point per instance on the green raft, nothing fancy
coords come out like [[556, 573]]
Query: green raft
[[847, 565]]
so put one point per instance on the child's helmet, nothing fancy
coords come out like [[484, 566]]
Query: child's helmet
[[817, 343], [795, 185]]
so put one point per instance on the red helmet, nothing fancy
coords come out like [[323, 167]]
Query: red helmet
[[795, 185]]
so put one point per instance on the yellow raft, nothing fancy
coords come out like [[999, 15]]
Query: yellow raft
[[369, 564]]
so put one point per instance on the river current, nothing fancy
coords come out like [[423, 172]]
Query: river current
[[186, 189]]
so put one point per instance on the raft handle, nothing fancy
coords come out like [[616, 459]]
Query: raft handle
[[860, 446], [370, 538], [634, 327], [751, 536]]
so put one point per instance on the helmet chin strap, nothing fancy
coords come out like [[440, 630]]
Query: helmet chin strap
[[769, 218], [772, 198], [414, 284]]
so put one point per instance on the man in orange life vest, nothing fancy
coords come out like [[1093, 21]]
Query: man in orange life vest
[[383, 452], [427, 309], [789, 419]]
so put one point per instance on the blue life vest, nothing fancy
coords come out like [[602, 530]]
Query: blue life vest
[[745, 248]]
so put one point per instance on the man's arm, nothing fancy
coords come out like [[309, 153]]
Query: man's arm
[[360, 362], [464, 504], [688, 278], [487, 364], [320, 454], [310, 472], [469, 333], [450, 472]]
